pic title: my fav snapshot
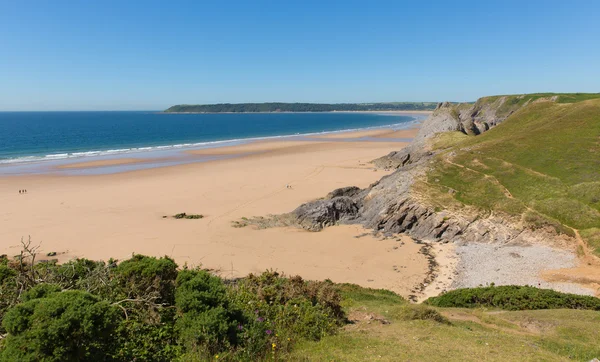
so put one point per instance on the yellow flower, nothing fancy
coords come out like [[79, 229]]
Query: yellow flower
[[273, 345], [217, 356]]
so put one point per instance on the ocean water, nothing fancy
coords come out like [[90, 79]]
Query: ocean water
[[38, 136]]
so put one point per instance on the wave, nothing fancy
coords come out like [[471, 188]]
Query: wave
[[207, 144]]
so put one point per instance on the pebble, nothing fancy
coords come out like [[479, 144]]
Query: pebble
[[482, 264]]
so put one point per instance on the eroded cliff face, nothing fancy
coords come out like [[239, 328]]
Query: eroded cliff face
[[394, 205], [472, 119]]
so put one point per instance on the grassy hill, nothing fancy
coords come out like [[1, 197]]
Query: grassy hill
[[542, 164], [386, 328]]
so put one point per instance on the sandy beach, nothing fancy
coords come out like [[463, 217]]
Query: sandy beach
[[116, 215]]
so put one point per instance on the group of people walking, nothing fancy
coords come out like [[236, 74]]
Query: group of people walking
[[23, 191]]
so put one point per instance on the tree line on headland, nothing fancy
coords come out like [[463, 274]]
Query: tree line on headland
[[300, 107]]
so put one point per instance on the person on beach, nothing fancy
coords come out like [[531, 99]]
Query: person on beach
[[19, 191]]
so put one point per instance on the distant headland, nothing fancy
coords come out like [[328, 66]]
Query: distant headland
[[300, 107]]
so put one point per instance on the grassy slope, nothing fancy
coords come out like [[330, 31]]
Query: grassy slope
[[472, 335], [542, 164]]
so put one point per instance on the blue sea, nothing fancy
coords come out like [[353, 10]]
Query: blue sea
[[34, 137]]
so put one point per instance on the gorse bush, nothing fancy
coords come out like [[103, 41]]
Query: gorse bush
[[146, 309], [206, 323], [513, 297], [60, 326]]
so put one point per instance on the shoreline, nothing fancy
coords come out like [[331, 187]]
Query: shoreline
[[168, 151]]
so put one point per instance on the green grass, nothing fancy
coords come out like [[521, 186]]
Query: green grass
[[447, 139], [592, 238], [470, 335], [544, 158]]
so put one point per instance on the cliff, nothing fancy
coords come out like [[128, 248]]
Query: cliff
[[505, 169]]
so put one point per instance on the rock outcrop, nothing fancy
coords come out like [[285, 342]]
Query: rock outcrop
[[467, 118]]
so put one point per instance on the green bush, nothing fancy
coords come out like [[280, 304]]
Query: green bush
[[280, 311], [145, 309], [142, 341], [513, 297], [144, 277], [206, 322], [40, 291], [60, 326], [412, 312]]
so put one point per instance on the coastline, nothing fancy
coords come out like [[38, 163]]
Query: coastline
[[28, 164], [114, 215], [421, 112]]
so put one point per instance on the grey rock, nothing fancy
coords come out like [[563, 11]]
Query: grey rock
[[344, 191], [316, 215]]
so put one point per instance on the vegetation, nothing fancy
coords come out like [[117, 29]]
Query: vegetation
[[59, 326], [513, 298], [300, 107], [147, 309], [541, 165], [381, 329], [183, 215]]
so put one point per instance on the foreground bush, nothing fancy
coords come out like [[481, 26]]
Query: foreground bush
[[280, 311], [60, 326], [147, 309], [513, 297], [207, 322]]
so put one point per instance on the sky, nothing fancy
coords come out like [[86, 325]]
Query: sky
[[149, 55]]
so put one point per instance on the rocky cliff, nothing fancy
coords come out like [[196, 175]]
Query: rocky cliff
[[396, 203]]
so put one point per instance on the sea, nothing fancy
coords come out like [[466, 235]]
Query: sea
[[35, 142]]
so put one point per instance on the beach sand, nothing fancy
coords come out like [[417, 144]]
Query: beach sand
[[116, 215]]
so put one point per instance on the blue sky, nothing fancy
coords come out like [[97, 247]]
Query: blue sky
[[148, 55]]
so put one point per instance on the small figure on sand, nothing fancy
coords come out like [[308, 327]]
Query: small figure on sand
[[19, 191], [288, 186]]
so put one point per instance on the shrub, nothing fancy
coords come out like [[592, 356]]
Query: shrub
[[280, 311], [513, 297], [60, 326], [141, 341], [148, 279], [145, 309], [206, 323], [411, 312], [75, 273], [183, 215], [40, 291]]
